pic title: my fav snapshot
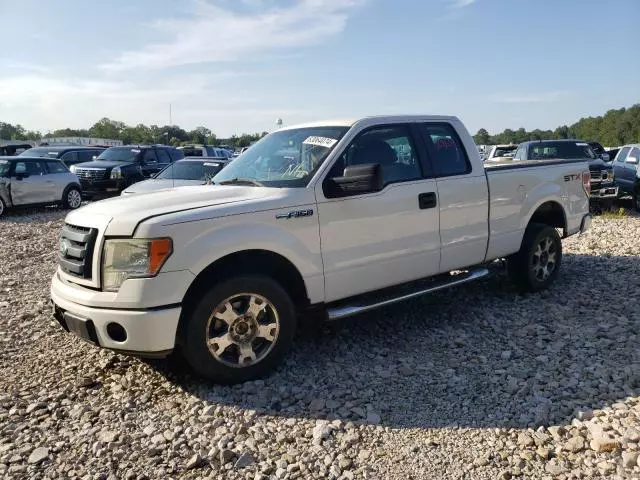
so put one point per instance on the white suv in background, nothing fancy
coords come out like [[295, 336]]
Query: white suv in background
[[205, 151]]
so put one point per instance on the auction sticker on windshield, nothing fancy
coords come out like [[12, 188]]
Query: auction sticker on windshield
[[320, 141]]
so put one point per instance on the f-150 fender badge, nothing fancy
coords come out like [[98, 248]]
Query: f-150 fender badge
[[295, 214]]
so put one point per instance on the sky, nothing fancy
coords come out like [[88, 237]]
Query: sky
[[237, 66]]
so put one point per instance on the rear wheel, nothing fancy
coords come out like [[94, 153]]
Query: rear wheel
[[3, 207], [72, 198], [537, 264], [239, 330]]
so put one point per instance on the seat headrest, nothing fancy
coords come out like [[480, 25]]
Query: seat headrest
[[374, 151]]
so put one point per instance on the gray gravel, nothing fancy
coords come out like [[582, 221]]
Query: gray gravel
[[477, 382]]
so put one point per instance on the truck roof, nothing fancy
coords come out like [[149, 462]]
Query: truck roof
[[373, 120]]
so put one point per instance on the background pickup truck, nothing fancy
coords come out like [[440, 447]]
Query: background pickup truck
[[603, 187], [335, 217]]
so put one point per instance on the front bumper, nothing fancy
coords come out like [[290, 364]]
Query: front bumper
[[604, 192], [148, 332], [101, 186]]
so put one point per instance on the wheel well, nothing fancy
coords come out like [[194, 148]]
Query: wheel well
[[265, 262], [552, 214]]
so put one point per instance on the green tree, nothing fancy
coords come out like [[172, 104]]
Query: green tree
[[482, 137], [107, 128]]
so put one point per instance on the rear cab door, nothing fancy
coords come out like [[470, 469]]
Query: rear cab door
[[463, 198]]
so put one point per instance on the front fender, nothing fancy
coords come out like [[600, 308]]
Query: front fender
[[199, 244]]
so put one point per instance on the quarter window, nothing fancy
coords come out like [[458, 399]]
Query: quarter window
[[163, 156], [56, 167], [150, 156], [390, 146], [445, 149]]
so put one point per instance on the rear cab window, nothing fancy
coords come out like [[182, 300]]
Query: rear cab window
[[448, 155], [560, 150]]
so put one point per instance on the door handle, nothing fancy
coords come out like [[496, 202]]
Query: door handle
[[427, 200]]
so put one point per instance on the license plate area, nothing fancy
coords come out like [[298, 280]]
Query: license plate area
[[79, 326]]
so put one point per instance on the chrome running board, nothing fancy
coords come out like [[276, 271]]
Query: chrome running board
[[355, 306]]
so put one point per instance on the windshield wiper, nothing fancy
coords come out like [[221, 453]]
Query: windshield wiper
[[241, 181]]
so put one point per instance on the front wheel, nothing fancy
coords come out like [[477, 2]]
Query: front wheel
[[636, 200], [72, 198], [3, 207], [537, 264], [239, 330]]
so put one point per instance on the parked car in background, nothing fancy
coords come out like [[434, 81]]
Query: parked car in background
[[324, 220], [626, 167], [204, 151], [26, 181], [189, 171], [501, 153], [603, 187], [120, 167], [12, 149], [70, 155]]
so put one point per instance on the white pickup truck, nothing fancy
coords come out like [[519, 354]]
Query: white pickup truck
[[334, 217]]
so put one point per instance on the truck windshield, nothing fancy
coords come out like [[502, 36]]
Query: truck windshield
[[190, 170], [283, 159], [119, 154], [567, 150]]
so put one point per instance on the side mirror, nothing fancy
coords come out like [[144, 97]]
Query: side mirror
[[632, 160], [605, 157], [21, 175], [359, 179]]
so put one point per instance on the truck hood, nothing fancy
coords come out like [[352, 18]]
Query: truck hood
[[103, 164], [123, 214], [160, 184]]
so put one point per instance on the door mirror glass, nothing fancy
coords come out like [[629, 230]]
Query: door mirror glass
[[21, 175], [605, 157], [633, 160], [359, 179]]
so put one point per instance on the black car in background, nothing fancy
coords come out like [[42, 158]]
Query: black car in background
[[119, 167], [70, 155]]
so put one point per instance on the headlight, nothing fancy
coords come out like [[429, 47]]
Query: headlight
[[72, 168], [116, 173], [132, 258]]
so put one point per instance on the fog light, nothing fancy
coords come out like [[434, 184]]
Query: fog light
[[116, 332]]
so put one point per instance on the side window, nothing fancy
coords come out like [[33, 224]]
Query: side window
[[635, 153], [56, 167], [176, 154], [163, 156], [86, 156], [390, 146], [31, 168], [150, 156], [622, 154], [445, 149], [69, 158]]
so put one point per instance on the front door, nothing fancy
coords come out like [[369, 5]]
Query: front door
[[620, 170], [383, 238], [29, 183], [631, 165]]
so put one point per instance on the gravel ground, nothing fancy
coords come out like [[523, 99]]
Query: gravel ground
[[476, 382]]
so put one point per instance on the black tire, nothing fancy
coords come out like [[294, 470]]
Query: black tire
[[69, 199], [525, 267], [3, 207], [195, 331], [635, 199]]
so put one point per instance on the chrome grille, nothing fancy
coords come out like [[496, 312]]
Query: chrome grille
[[75, 250], [90, 173]]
